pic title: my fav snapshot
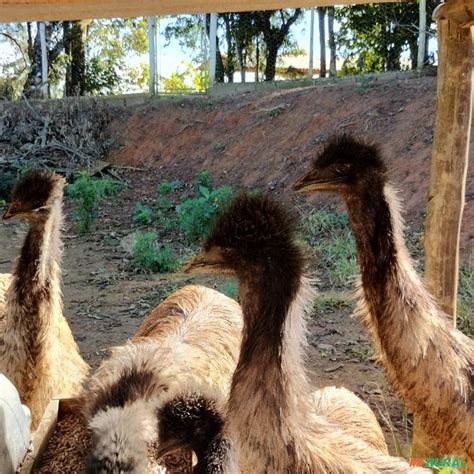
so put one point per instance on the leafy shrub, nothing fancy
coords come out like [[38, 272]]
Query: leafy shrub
[[88, 193], [143, 215], [204, 179], [196, 215], [151, 257], [167, 187]]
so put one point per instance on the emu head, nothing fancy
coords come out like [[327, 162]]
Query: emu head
[[34, 196], [346, 165], [252, 234]]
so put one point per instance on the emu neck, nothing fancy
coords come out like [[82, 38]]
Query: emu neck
[[37, 265], [33, 299], [372, 223], [262, 397]]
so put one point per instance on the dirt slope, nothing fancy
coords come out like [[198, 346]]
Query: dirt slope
[[267, 139]]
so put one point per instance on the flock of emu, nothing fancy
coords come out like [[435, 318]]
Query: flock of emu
[[228, 382]]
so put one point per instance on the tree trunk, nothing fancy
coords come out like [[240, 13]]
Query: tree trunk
[[270, 66], [219, 64], [33, 83], [75, 43], [32, 86], [257, 58], [322, 42], [332, 43], [230, 61]]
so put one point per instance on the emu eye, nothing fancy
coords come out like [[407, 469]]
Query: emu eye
[[343, 168]]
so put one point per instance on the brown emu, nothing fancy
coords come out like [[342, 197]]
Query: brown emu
[[166, 385], [428, 361], [39, 354], [269, 412]]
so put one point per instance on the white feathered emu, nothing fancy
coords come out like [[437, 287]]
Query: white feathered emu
[[168, 384], [429, 362], [270, 412], [37, 349]]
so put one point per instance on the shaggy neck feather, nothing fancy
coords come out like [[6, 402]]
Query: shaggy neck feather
[[269, 389], [33, 298]]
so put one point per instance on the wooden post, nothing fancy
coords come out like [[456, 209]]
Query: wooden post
[[449, 165], [449, 161]]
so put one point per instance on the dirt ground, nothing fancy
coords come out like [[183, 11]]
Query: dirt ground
[[259, 139]]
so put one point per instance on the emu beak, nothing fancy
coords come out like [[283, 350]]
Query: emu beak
[[208, 261], [9, 214], [316, 180]]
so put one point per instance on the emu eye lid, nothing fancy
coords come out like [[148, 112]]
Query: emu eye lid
[[343, 168]]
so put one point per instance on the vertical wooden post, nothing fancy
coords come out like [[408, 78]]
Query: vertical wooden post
[[449, 162], [449, 165], [311, 46]]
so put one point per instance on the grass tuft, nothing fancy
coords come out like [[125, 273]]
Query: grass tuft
[[149, 256]]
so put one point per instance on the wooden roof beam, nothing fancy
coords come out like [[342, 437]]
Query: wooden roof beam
[[57, 10]]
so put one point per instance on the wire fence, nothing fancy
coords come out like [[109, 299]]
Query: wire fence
[[189, 53]]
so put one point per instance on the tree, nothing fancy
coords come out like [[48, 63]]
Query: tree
[[75, 47], [322, 41], [54, 43], [108, 43], [332, 43], [274, 26], [374, 35], [15, 61]]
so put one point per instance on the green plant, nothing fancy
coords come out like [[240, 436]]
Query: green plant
[[88, 193], [151, 257], [204, 179], [465, 320], [230, 288], [143, 215], [322, 223], [339, 256], [196, 215], [328, 233]]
